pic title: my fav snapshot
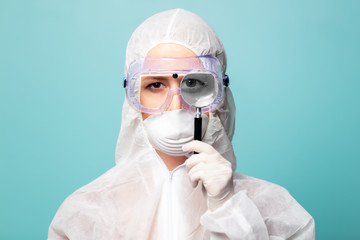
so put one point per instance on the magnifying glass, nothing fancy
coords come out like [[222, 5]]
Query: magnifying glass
[[198, 89]]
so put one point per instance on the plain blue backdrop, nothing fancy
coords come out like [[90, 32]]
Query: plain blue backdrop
[[294, 72]]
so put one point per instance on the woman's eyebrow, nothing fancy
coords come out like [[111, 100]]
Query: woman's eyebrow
[[157, 78]]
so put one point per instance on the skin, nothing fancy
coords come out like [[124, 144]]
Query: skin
[[170, 50]]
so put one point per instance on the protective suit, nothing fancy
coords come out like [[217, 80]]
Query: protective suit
[[140, 198]]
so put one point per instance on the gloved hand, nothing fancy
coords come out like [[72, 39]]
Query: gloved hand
[[213, 170]]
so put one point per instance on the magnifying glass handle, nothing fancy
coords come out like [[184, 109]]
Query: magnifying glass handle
[[197, 125], [197, 129]]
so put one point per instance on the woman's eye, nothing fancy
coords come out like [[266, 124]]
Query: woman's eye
[[155, 85], [193, 83]]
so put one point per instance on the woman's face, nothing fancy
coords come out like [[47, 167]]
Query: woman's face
[[153, 88]]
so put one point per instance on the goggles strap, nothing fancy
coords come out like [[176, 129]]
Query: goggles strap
[[226, 80]]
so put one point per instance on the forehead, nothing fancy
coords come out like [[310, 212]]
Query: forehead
[[171, 50], [154, 65]]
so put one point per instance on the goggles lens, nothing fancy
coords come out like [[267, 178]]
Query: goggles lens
[[150, 84], [156, 91]]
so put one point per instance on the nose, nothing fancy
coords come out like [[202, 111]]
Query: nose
[[175, 102]]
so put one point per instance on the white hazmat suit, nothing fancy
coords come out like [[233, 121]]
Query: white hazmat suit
[[139, 198]]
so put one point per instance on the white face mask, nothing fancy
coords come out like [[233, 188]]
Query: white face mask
[[170, 130]]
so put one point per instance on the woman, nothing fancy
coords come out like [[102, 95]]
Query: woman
[[158, 189]]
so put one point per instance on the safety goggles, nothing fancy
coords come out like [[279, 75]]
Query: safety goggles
[[149, 83]]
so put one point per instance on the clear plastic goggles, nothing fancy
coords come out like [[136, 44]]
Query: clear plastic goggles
[[150, 83]]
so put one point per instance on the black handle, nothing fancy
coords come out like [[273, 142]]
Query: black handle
[[197, 129]]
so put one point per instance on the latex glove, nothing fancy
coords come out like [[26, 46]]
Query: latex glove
[[213, 170]]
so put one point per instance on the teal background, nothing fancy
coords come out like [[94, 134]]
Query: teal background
[[294, 72]]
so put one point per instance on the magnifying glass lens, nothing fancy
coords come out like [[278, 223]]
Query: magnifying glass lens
[[199, 89]]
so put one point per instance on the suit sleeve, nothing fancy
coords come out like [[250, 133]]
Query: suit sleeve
[[270, 214]]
